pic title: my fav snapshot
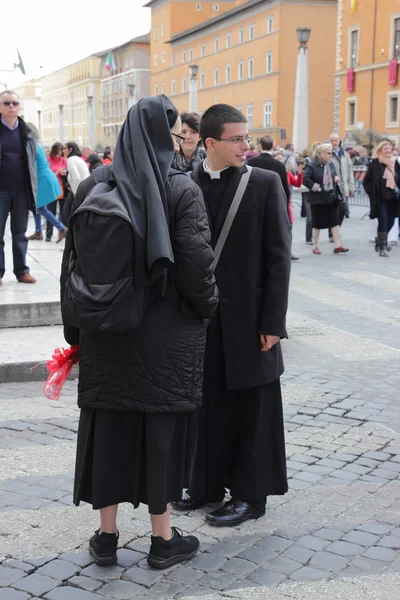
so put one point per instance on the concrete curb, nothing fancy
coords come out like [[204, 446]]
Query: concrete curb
[[30, 315], [24, 371]]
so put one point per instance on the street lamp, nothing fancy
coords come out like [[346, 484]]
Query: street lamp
[[19, 65], [300, 119], [61, 109], [193, 70], [131, 89], [91, 123]]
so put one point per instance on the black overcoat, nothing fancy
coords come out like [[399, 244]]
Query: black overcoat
[[157, 367], [253, 277], [267, 161], [372, 186]]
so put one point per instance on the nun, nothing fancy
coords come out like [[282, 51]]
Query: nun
[[139, 391]]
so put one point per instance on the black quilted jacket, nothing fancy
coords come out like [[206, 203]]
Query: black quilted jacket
[[158, 367]]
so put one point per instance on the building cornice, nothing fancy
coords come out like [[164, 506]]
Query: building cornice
[[364, 68]]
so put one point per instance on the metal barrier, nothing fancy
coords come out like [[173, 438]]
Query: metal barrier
[[360, 198]]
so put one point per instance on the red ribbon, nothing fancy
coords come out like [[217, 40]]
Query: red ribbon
[[61, 356]]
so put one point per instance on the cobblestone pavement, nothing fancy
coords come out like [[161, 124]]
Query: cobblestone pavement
[[336, 534]]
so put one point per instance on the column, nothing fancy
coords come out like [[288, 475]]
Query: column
[[193, 99], [300, 119], [62, 134]]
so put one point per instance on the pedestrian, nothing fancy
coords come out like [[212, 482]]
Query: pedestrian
[[94, 162], [77, 171], [139, 390], [294, 181], [58, 164], [252, 152], [190, 153], [18, 182], [363, 159], [309, 157], [321, 179], [382, 183], [268, 160], [47, 191], [344, 170], [289, 158], [108, 155], [86, 152], [240, 441]]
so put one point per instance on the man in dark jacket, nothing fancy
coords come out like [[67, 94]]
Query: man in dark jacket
[[240, 442], [18, 182], [266, 161]]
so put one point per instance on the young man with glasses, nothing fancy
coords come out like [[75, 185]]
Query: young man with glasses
[[18, 182], [240, 441]]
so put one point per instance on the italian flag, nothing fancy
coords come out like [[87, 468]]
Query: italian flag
[[110, 64]]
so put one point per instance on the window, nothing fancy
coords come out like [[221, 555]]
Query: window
[[270, 24], [184, 56], [163, 31], [155, 60], [202, 50], [241, 35], [216, 7], [240, 70], [155, 35], [216, 45], [173, 60], [173, 87], [353, 62], [251, 67], [198, 6], [250, 116], [190, 54], [268, 114], [216, 76], [202, 78], [184, 85], [396, 49], [268, 66], [351, 113], [251, 32], [392, 110], [240, 108], [228, 40], [163, 57], [228, 73], [156, 90], [163, 91]]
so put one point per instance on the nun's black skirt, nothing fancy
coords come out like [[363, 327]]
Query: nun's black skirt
[[324, 216], [132, 457]]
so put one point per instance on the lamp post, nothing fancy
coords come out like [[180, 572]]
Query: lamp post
[[91, 123], [193, 100], [131, 89], [300, 119], [61, 109], [39, 116]]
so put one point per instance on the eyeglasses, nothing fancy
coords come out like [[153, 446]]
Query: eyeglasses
[[7, 103], [179, 139], [237, 139]]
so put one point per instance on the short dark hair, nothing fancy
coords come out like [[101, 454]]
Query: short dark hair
[[74, 149], [266, 142], [55, 149], [192, 120], [216, 117], [107, 153], [288, 146]]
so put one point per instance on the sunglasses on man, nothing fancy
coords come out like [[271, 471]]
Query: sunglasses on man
[[7, 103]]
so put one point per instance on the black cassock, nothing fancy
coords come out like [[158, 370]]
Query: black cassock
[[240, 441]]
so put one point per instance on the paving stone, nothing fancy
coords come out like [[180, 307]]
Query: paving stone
[[239, 567], [143, 576], [346, 475], [391, 466], [308, 477], [36, 584], [196, 591], [362, 538], [164, 590], [302, 458], [227, 549], [385, 473], [128, 558], [295, 466], [291, 533], [328, 561], [38, 562], [390, 542], [329, 534], [301, 555], [86, 583], [208, 562], [376, 527], [366, 462], [104, 574], [297, 484], [330, 462], [369, 566], [138, 546], [70, 593], [185, 575], [381, 456], [380, 553], [218, 580], [312, 543], [318, 470], [9, 575], [267, 578], [359, 469], [282, 564], [309, 574], [82, 559], [345, 548], [120, 590], [275, 543], [16, 564], [59, 569], [9, 594], [258, 554]]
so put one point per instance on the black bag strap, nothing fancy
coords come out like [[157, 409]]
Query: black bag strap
[[244, 180]]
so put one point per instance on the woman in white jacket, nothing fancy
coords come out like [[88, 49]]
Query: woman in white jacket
[[76, 166]]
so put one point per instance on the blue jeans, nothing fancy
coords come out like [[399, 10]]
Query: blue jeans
[[44, 212], [16, 204], [387, 215]]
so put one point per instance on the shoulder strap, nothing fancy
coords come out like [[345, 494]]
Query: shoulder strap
[[230, 216]]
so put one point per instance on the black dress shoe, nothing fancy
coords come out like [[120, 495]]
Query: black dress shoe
[[233, 513], [189, 503]]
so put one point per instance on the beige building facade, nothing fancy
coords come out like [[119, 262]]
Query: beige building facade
[[31, 101]]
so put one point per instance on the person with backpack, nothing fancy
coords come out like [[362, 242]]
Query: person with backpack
[[137, 288]]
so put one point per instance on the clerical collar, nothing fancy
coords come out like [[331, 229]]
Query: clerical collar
[[212, 174]]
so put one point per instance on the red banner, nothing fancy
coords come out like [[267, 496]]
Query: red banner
[[393, 72], [350, 80]]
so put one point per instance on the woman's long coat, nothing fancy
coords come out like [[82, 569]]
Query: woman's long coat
[[157, 367], [372, 186]]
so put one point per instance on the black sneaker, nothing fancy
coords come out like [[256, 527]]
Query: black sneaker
[[165, 553], [103, 548]]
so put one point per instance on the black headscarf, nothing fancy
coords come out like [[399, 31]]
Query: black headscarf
[[142, 160]]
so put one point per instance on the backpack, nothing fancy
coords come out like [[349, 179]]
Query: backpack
[[100, 294]]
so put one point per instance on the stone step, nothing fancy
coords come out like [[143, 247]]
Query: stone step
[[24, 352], [30, 314]]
